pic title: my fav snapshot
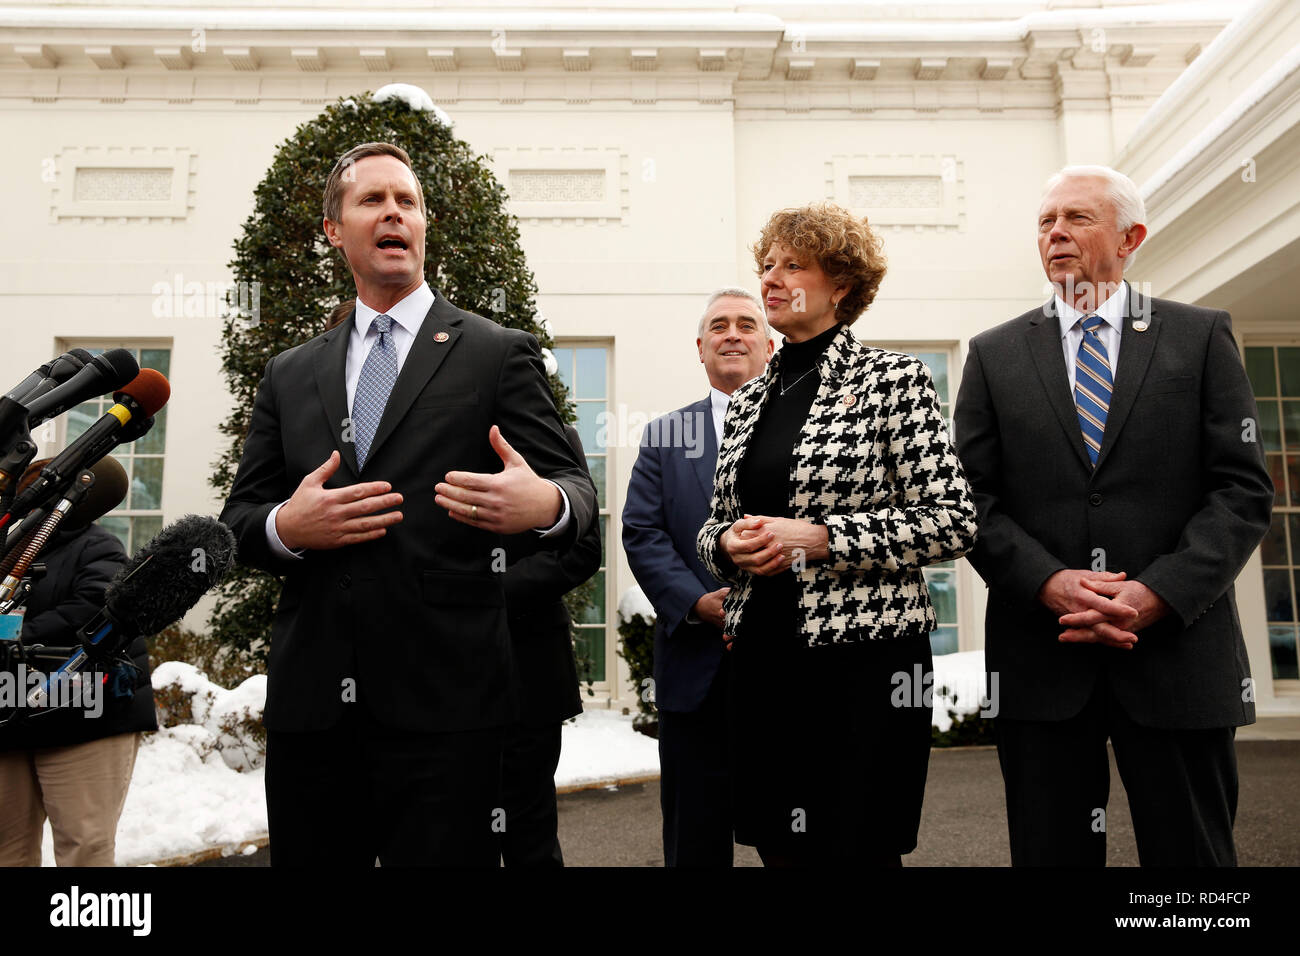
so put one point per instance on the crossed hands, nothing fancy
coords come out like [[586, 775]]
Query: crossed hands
[[768, 546], [1101, 607], [514, 499]]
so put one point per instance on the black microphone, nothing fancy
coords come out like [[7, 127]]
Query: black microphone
[[52, 373], [103, 373], [141, 399], [108, 491], [152, 591]]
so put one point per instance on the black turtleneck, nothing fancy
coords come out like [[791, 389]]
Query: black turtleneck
[[763, 480]]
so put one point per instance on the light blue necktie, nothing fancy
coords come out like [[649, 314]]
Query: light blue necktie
[[378, 375], [1093, 384]]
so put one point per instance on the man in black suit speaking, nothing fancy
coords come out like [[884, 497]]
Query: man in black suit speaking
[[1110, 442], [390, 667]]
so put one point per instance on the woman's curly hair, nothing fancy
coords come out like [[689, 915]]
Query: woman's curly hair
[[845, 247]]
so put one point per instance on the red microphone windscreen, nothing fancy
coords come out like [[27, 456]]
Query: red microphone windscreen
[[150, 390]]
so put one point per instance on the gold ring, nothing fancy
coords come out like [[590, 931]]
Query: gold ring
[[473, 512]]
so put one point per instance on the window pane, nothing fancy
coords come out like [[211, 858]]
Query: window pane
[[1270, 433], [155, 441], [1291, 424], [937, 362], [589, 425], [1279, 483], [589, 647], [604, 532], [160, 359], [1281, 647], [564, 357], [1293, 477], [943, 595], [1277, 595], [1273, 548], [81, 418], [943, 640], [146, 485], [595, 613], [120, 526], [1293, 525], [590, 373], [1288, 363], [1259, 366], [143, 530], [597, 466]]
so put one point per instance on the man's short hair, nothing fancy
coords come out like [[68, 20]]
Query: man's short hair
[[1120, 190], [336, 183], [735, 292]]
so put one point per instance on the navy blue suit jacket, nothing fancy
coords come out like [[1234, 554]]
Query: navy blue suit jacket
[[667, 503]]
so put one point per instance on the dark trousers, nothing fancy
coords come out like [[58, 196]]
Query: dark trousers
[[530, 837], [1181, 787], [361, 791], [695, 782]]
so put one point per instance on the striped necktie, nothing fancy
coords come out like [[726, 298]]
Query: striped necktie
[[1092, 386], [378, 375]]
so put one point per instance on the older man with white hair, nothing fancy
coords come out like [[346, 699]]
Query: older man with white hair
[[667, 502], [1109, 439]]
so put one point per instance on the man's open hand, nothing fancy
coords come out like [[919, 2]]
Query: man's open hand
[[511, 501], [318, 518]]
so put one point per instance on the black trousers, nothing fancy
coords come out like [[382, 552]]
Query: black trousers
[[1181, 787], [530, 837], [361, 791], [695, 781]]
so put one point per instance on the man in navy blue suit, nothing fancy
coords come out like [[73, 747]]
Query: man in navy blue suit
[[667, 502]]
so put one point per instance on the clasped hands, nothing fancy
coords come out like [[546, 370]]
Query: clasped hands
[[1101, 607], [767, 546], [513, 500]]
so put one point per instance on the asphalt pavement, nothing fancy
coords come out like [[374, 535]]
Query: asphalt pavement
[[963, 822]]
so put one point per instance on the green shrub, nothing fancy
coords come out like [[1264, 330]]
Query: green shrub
[[636, 645]]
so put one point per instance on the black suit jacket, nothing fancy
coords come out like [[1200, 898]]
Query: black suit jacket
[[1178, 500], [537, 578], [667, 504], [417, 618]]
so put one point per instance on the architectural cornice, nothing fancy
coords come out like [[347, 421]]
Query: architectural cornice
[[1015, 58]]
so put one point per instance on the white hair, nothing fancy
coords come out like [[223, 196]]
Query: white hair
[[1120, 190], [735, 292]]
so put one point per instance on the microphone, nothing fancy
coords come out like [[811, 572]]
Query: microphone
[[52, 373], [153, 590], [108, 491], [141, 399], [103, 373]]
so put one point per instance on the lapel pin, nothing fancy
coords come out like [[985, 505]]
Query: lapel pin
[[1141, 325], [443, 336], [848, 400]]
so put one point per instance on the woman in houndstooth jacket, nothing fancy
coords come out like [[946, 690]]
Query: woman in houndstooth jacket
[[836, 484]]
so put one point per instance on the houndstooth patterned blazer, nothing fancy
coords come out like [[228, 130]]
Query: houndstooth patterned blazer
[[875, 466]]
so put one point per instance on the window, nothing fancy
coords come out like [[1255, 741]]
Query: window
[[585, 370], [941, 578], [140, 515], [1275, 377]]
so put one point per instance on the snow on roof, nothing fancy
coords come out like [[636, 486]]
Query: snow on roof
[[1272, 78]]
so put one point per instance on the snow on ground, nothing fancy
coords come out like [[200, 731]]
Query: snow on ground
[[601, 745], [198, 786]]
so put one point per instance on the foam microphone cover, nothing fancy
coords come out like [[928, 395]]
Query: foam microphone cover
[[184, 561], [108, 491], [150, 390]]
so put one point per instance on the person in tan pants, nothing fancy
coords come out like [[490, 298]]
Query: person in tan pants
[[73, 767]]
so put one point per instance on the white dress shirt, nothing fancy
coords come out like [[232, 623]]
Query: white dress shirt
[[1112, 313], [407, 315], [719, 401]]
